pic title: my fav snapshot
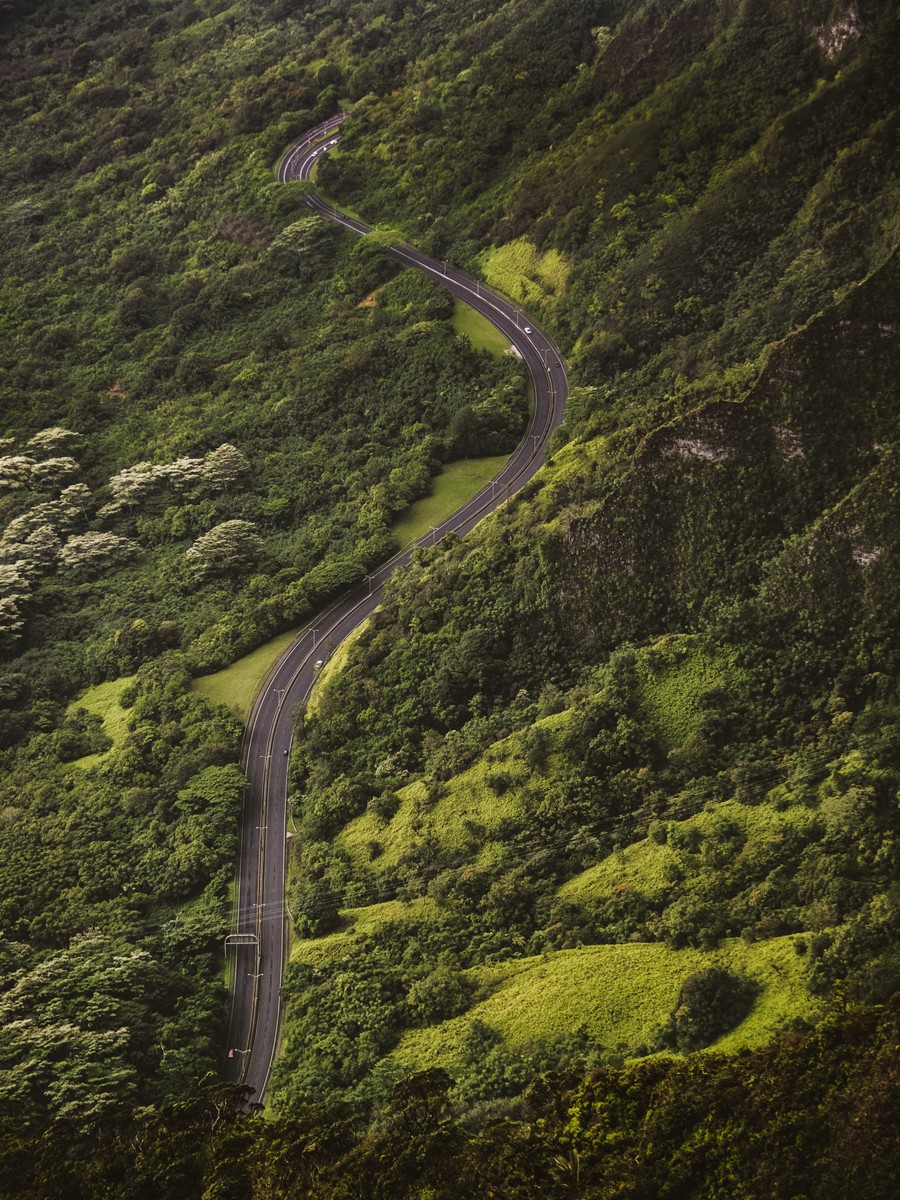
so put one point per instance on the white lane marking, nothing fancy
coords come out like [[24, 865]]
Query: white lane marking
[[486, 298]]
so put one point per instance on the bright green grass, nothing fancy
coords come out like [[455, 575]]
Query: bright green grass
[[675, 673], [357, 922], [523, 273], [462, 820], [457, 483], [621, 993], [478, 329], [236, 686], [642, 865], [202, 29], [333, 667], [103, 699]]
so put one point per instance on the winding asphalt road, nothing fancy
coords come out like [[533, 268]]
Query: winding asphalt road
[[260, 940]]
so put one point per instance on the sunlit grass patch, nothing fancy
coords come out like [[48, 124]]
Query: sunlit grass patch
[[461, 820], [236, 686], [358, 922], [332, 667], [525, 274], [202, 29], [478, 329], [458, 482], [621, 994], [675, 673], [104, 700], [643, 865], [464, 814]]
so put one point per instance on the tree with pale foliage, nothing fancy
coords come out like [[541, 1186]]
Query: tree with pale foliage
[[94, 553], [12, 622], [217, 471], [225, 549], [53, 440], [223, 466], [182, 474], [35, 554], [77, 1058], [130, 486], [61, 515], [13, 579], [15, 472], [74, 500], [22, 565], [15, 589], [52, 472]]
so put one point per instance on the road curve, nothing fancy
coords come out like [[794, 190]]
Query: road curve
[[260, 938]]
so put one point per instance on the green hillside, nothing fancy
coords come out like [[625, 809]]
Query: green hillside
[[593, 879]]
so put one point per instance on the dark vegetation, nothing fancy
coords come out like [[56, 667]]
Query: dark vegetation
[[811, 1115], [718, 180]]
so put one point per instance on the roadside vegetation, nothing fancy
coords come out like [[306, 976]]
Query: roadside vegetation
[[595, 869], [216, 405]]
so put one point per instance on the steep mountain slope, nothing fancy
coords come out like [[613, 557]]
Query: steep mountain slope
[[634, 739], [722, 521]]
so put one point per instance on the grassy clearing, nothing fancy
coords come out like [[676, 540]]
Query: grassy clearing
[[464, 819], [236, 686], [457, 483], [333, 667], [104, 700], [478, 329], [205, 28], [523, 273], [621, 993], [675, 674], [358, 922], [643, 865]]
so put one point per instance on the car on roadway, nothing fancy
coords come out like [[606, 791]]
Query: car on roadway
[[528, 329]]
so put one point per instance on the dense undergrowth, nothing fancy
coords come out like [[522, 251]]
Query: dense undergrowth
[[209, 427], [634, 737], [809, 1115], [700, 584]]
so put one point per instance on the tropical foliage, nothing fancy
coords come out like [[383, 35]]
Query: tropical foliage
[[645, 715]]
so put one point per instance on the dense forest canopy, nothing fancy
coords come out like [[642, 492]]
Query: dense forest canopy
[[595, 881]]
